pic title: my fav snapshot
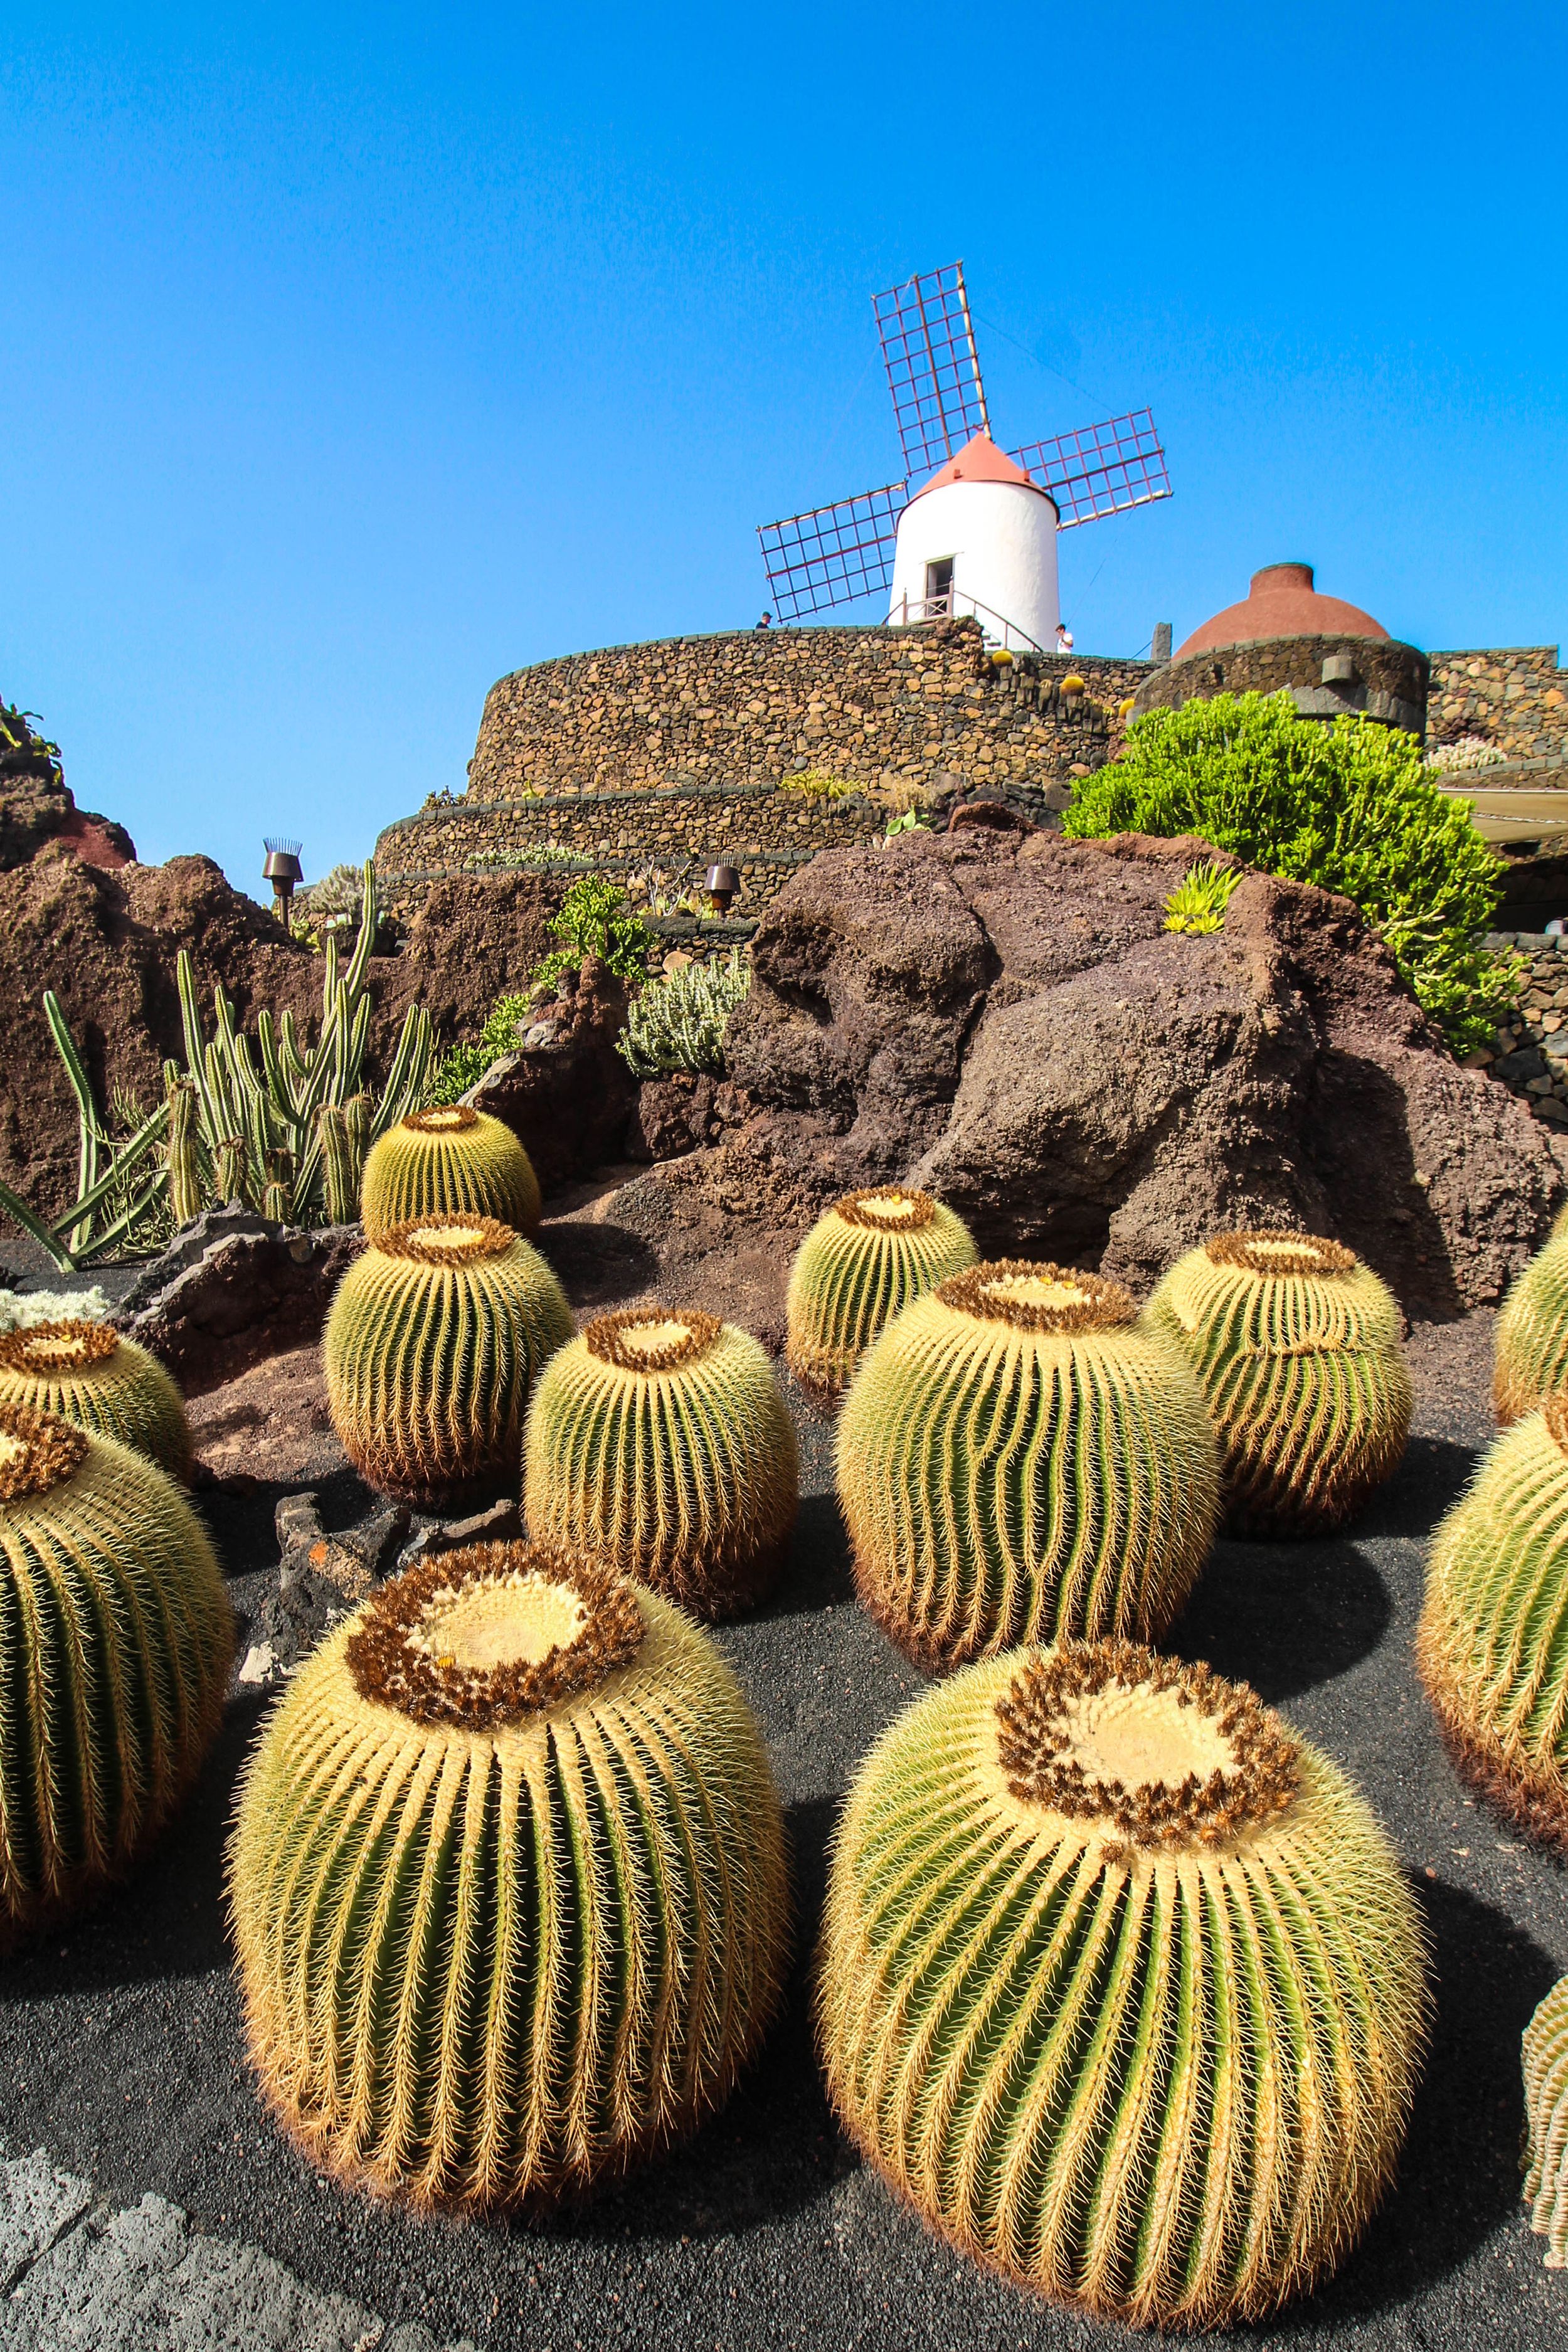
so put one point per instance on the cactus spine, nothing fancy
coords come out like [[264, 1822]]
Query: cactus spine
[[508, 1883], [657, 1442], [1121, 1985], [449, 1162], [1532, 1346], [1492, 1645], [1017, 1462], [1546, 2114], [229, 1168], [116, 1637], [868, 1257], [1297, 1346], [107, 1385], [339, 1165], [433, 1343]]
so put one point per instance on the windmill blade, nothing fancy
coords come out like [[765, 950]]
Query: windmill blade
[[1102, 470], [933, 368], [834, 554]]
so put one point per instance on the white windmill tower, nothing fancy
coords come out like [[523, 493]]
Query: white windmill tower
[[979, 537]]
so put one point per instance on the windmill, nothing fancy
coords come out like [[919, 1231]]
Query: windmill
[[979, 536]]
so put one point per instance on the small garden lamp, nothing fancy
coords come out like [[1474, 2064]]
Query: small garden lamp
[[284, 871], [722, 884]]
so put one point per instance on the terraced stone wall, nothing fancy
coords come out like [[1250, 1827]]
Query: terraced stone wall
[[1514, 696]]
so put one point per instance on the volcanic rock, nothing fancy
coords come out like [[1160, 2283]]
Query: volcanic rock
[[566, 1094], [234, 1289], [1005, 1020]]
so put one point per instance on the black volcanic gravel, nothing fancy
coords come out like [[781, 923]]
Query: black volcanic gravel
[[120, 2043]]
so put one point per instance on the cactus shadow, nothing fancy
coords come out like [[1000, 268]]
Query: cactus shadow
[[1459, 2176], [816, 1574], [775, 2148], [167, 1922], [1430, 1479], [599, 1265], [1284, 1616]]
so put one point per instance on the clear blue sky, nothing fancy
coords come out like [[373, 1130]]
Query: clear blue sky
[[356, 356]]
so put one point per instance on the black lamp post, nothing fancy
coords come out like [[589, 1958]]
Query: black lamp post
[[284, 871], [722, 884]]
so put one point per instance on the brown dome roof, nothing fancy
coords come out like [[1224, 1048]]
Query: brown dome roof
[[1282, 603]]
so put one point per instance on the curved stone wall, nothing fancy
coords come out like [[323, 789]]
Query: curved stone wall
[[1327, 676]]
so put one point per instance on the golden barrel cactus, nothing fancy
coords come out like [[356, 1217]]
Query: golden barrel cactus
[[868, 1257], [1018, 1459], [1492, 1644], [435, 1338], [116, 1638], [1121, 1985], [451, 1161], [508, 1883], [658, 1443], [1296, 1345], [1531, 1362], [87, 1373], [1545, 2054]]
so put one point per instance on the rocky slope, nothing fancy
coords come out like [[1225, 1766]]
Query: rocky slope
[[1003, 1019]]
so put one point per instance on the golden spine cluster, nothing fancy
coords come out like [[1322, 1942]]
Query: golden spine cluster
[[507, 1884], [657, 1442], [449, 1162], [1492, 1645], [1297, 1346], [1017, 1461], [1545, 2054], [116, 1637], [1530, 1360], [110, 1386], [435, 1339], [1161, 2072], [873, 1251]]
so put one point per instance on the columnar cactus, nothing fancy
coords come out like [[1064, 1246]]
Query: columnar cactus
[[432, 1346], [1297, 1346], [508, 1883], [449, 1162], [1019, 1461], [1121, 1985], [1531, 1362], [1546, 2114], [658, 1443], [1492, 1645], [868, 1257], [116, 1637], [87, 1373]]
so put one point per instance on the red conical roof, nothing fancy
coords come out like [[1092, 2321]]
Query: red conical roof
[[1282, 603], [979, 460]]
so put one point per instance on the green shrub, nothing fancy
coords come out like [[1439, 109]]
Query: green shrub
[[1200, 898], [1348, 806], [593, 920], [678, 1022], [464, 1065]]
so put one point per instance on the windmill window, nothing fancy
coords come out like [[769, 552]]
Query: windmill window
[[939, 585]]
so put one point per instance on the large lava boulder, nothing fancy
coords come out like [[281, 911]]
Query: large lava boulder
[[1006, 1020]]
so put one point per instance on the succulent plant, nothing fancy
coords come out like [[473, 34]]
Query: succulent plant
[[508, 1883], [1492, 1645], [1121, 1985], [1546, 2114], [449, 1162], [432, 1346], [1019, 1461], [116, 1637], [868, 1257], [658, 1443], [1531, 1362], [1297, 1346], [87, 1373]]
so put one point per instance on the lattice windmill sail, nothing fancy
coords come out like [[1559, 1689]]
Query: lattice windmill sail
[[979, 536]]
